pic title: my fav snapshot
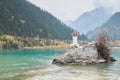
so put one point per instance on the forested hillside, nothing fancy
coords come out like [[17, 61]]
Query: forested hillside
[[21, 18]]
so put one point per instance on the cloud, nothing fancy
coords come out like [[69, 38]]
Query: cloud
[[67, 10], [113, 4]]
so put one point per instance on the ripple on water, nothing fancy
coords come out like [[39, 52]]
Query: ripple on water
[[72, 73], [36, 66]]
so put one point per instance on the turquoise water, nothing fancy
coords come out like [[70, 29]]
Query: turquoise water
[[15, 62], [36, 65]]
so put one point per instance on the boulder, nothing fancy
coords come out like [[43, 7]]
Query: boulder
[[79, 56]]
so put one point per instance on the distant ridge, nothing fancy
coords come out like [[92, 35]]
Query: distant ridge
[[90, 20], [112, 27]]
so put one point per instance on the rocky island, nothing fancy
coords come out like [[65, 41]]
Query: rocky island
[[92, 53], [80, 56]]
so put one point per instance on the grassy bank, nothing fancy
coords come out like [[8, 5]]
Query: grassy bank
[[64, 46], [16, 42]]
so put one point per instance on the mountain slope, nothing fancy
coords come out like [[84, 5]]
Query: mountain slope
[[90, 20], [112, 27], [21, 18]]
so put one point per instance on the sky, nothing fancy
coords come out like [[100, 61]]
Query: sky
[[69, 10]]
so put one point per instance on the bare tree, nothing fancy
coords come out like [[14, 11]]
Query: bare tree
[[103, 47]]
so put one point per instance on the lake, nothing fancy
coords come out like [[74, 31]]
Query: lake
[[25, 64]]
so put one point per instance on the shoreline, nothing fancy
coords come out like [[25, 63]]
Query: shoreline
[[65, 46]]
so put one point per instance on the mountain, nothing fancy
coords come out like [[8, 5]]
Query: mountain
[[112, 27], [68, 22], [90, 20], [22, 18]]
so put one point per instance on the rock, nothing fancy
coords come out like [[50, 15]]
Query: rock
[[79, 56]]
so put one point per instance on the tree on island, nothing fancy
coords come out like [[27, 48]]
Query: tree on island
[[103, 47]]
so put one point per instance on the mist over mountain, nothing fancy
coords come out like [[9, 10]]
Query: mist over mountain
[[112, 27], [68, 22], [21, 18], [90, 20]]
